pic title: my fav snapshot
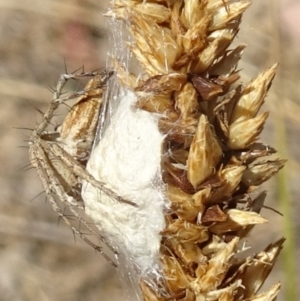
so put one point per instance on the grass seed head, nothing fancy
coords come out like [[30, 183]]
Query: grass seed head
[[211, 160]]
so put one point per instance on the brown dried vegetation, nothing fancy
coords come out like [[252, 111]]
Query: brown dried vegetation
[[212, 161]]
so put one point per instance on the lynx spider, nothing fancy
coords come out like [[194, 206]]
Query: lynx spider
[[59, 157]]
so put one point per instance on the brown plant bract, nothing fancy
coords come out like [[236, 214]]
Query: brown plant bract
[[212, 160]]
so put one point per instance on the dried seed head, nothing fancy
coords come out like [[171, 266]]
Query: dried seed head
[[211, 159]]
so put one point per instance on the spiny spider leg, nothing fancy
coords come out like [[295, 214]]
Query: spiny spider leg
[[60, 157], [84, 175], [53, 188]]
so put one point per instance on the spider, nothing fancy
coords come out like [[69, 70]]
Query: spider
[[59, 157]]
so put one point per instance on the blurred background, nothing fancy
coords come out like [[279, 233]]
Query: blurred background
[[39, 258]]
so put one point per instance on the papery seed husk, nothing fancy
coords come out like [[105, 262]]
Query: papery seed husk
[[225, 14], [218, 43], [187, 232], [229, 61], [253, 96], [158, 13], [244, 133], [195, 38], [186, 101], [205, 153], [183, 203], [126, 78], [155, 104], [188, 253], [193, 11], [237, 220], [175, 277], [150, 45], [269, 295], [259, 267], [163, 84], [230, 177], [259, 172], [217, 268], [224, 294]]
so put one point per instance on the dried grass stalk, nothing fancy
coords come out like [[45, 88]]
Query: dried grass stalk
[[211, 161]]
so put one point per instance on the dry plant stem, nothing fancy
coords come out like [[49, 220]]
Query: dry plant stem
[[212, 162], [59, 158]]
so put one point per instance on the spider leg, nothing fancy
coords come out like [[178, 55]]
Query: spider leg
[[53, 187], [81, 172], [61, 173]]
